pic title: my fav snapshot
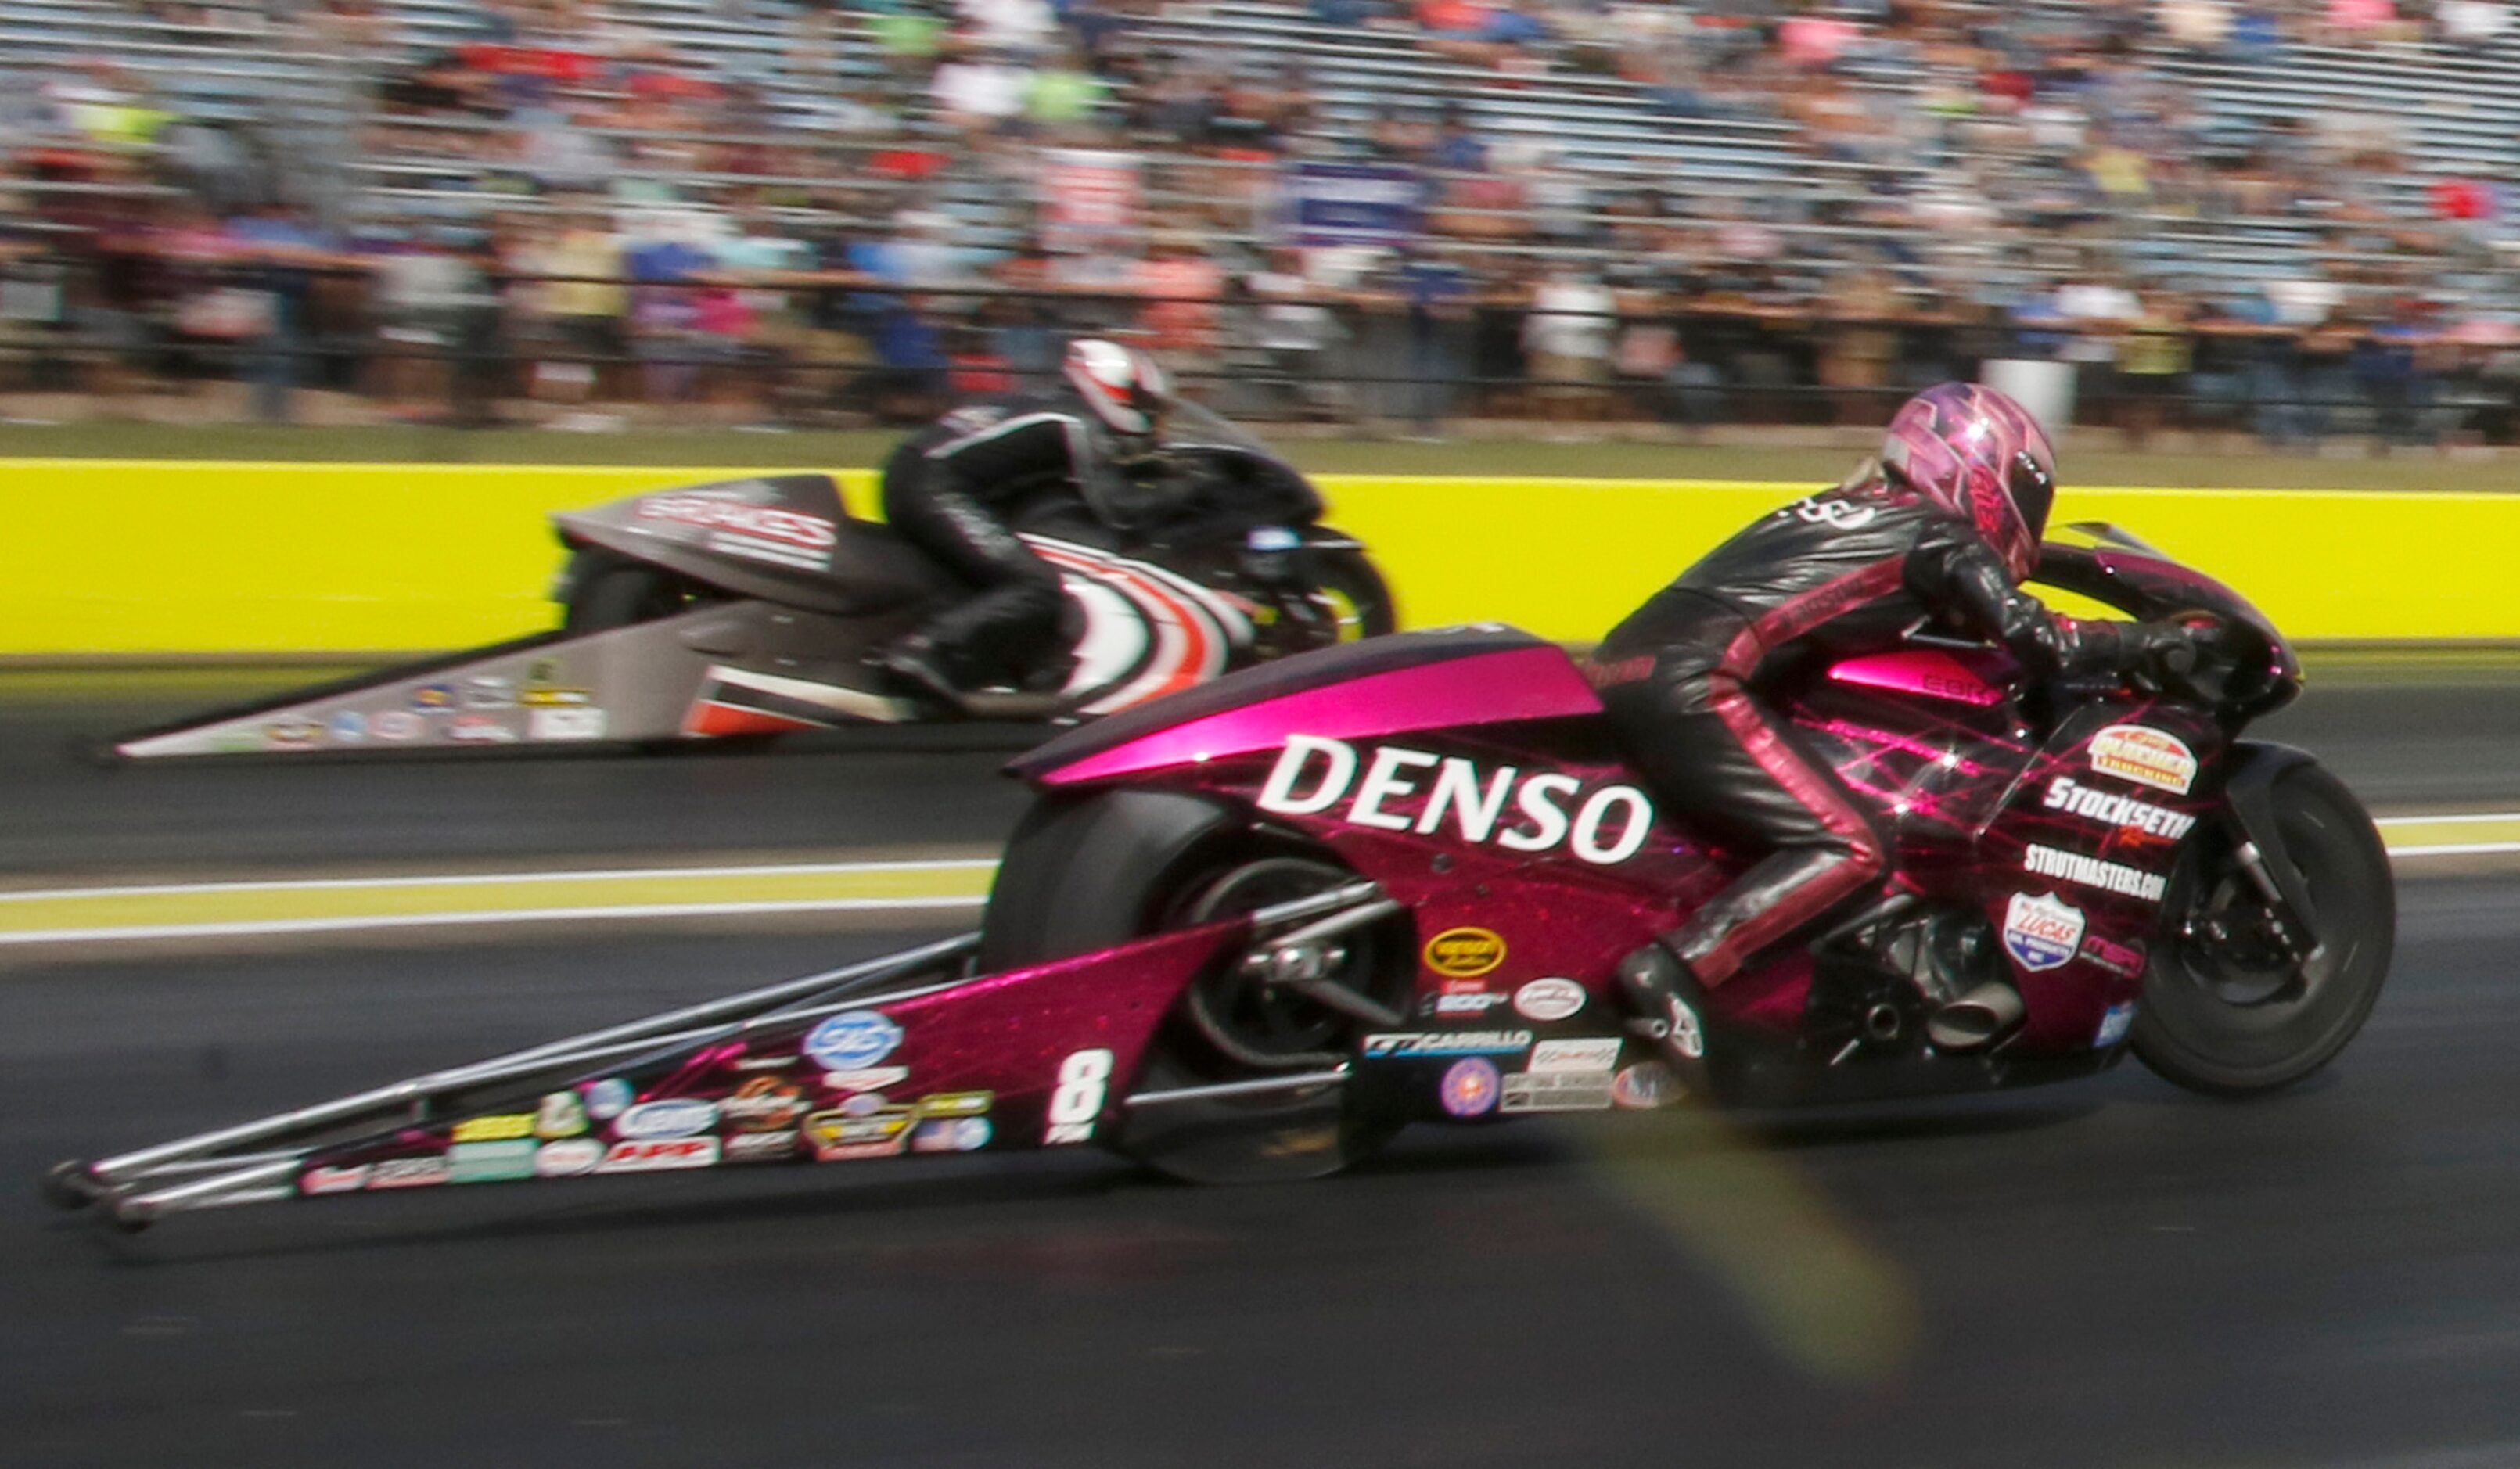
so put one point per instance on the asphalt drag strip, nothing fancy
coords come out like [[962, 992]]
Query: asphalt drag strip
[[2113, 1273]]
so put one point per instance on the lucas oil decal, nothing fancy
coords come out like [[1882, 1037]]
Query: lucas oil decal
[[1413, 791], [2145, 756], [2042, 933]]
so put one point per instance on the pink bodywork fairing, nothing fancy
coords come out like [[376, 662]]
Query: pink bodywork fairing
[[1532, 682]]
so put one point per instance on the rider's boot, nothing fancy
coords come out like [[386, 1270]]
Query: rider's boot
[[1669, 1008], [1943, 954], [919, 664]]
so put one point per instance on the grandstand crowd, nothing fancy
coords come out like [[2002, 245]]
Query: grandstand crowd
[[2291, 218]]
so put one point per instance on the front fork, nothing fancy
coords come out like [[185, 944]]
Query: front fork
[[2257, 846]]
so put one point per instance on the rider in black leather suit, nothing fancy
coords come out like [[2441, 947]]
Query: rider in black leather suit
[[1943, 527], [958, 489]]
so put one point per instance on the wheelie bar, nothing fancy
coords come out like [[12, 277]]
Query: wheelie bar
[[262, 1160], [138, 1186]]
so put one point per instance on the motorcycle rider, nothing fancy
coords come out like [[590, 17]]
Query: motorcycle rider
[[1091, 449], [1943, 526]]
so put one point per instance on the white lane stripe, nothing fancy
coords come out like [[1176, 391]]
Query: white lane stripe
[[464, 879], [2456, 849], [500, 915], [2462, 818]]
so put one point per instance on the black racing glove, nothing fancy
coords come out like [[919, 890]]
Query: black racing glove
[[2166, 648]]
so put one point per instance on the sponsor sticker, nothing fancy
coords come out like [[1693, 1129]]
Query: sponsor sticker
[[481, 729], [1644, 1086], [738, 526], [956, 1103], [1415, 791], [763, 1104], [1471, 1002], [488, 691], [657, 1154], [321, 1180], [605, 1100], [1464, 953], [2127, 960], [1549, 1000], [293, 734], [866, 1078], [490, 1162], [538, 695], [1470, 1088], [2125, 813], [761, 1147], [671, 1117], [2091, 872], [562, 1114], [1590, 1055], [565, 724], [2042, 933], [495, 1128], [348, 727], [2115, 1022], [408, 1173], [397, 724], [433, 698], [839, 1137], [852, 1039], [951, 1134], [568, 1157], [1559, 1091], [766, 1063], [2145, 756], [1424, 1045]]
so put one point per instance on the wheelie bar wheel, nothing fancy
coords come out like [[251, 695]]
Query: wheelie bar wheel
[[67, 1185]]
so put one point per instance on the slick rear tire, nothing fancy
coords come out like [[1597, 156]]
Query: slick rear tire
[[608, 592], [2220, 1017], [1084, 875]]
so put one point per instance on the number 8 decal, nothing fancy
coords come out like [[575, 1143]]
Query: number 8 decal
[[1084, 1079]]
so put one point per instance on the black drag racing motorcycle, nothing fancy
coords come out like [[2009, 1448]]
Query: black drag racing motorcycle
[[748, 609]]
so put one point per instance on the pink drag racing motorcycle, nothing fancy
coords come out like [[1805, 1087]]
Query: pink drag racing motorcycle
[[1250, 931]]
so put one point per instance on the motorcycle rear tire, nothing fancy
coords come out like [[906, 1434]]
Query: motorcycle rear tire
[[608, 592], [1088, 874], [2227, 1027]]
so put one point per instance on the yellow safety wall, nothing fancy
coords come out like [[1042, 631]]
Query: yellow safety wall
[[129, 558]]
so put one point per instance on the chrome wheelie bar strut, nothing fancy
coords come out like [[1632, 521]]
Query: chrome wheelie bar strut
[[259, 1161]]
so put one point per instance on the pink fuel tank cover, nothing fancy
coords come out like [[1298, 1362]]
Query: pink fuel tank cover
[[1919, 671]]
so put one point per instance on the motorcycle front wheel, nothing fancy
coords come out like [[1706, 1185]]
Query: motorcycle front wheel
[[2227, 1011], [1358, 598]]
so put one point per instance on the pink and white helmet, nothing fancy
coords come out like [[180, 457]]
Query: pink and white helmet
[[1125, 388], [1978, 454]]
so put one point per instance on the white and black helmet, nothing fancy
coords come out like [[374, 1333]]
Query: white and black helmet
[[1127, 389]]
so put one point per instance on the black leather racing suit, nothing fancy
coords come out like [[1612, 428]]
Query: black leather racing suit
[[1838, 574], [958, 489]]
